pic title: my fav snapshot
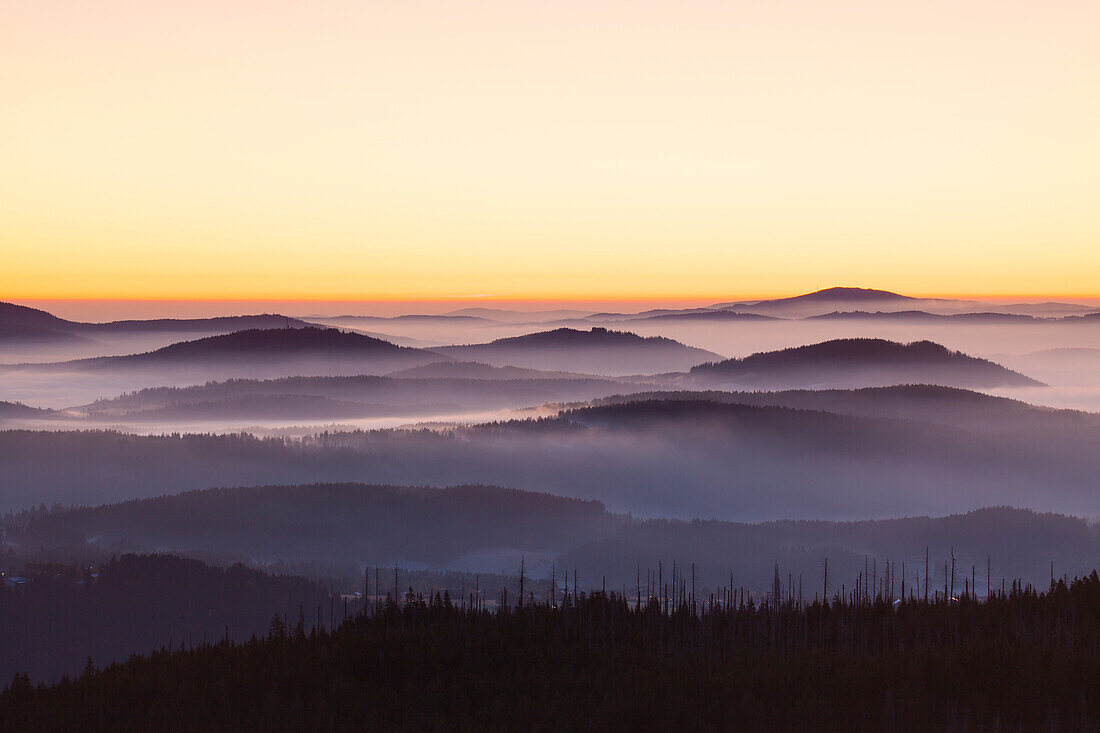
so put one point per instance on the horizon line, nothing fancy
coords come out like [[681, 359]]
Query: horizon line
[[511, 298]]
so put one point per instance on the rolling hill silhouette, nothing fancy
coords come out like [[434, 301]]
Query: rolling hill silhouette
[[513, 316], [827, 295], [843, 299], [477, 370], [383, 524], [21, 322], [705, 315], [846, 294], [916, 402], [322, 522], [260, 352], [410, 318], [597, 351], [924, 316], [9, 410], [35, 323], [279, 407], [337, 397], [847, 363], [274, 343]]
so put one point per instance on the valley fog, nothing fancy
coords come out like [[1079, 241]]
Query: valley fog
[[835, 406]]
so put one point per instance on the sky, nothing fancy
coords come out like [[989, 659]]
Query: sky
[[691, 150]]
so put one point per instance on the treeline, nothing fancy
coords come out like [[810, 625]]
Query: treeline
[[53, 616], [360, 523], [1022, 660], [408, 392], [992, 544], [918, 402]]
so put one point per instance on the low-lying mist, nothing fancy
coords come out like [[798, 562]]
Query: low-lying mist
[[680, 457]]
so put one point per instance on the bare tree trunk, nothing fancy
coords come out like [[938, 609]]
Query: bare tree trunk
[[522, 568], [926, 573], [952, 572]]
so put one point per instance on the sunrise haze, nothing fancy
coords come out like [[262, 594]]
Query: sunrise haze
[[368, 151]]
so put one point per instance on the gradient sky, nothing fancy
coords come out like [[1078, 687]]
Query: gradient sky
[[376, 150]]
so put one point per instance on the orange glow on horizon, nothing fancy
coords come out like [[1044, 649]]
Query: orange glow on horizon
[[546, 298]]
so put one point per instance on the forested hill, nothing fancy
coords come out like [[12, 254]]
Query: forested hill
[[19, 410], [988, 546], [839, 298], [400, 393], [253, 343], [860, 362], [476, 370], [336, 525], [925, 317], [596, 351], [328, 522], [258, 353], [917, 402], [830, 295], [19, 320], [570, 336], [64, 614]]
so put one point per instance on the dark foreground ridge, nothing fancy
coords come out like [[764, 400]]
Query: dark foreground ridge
[[1020, 660]]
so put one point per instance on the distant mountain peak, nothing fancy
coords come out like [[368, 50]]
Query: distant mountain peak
[[850, 293], [843, 297], [837, 294]]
